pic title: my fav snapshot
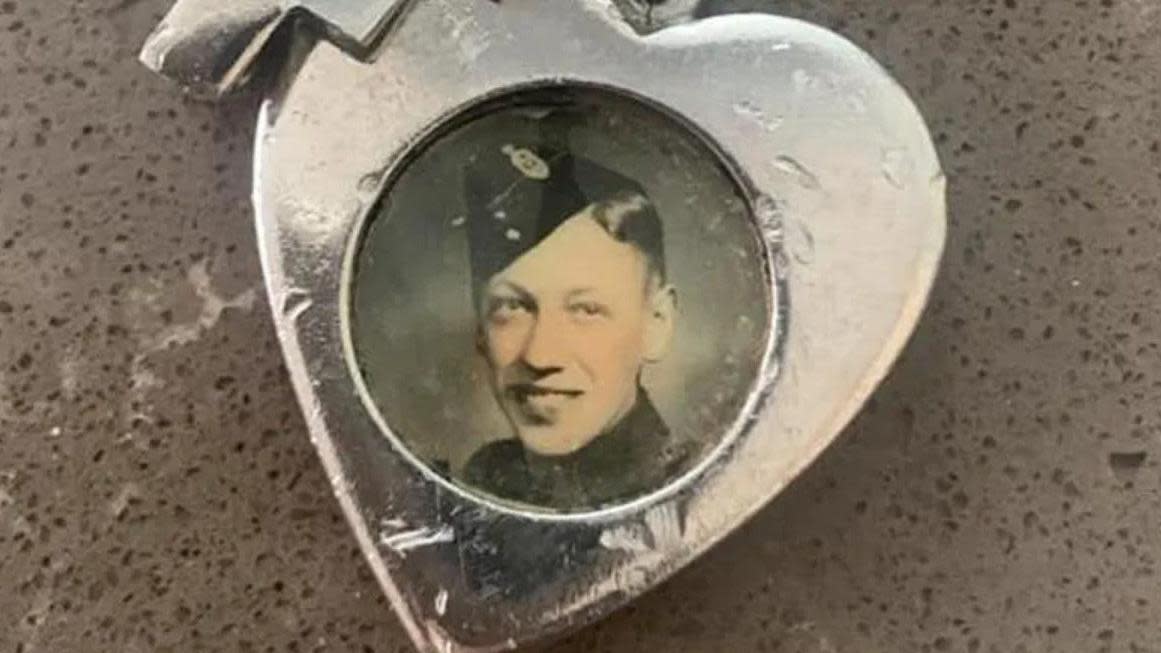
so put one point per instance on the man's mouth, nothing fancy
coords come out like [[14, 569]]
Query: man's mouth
[[531, 391], [537, 404]]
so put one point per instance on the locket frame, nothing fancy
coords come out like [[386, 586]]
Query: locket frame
[[320, 169]]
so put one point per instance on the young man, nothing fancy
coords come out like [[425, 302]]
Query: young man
[[569, 278]]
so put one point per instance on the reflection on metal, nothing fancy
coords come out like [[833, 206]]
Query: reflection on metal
[[841, 178]]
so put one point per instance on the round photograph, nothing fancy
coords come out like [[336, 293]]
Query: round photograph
[[561, 303]]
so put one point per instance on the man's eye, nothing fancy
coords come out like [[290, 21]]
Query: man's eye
[[587, 309], [504, 308]]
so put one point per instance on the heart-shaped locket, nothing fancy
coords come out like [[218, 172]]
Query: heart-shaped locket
[[565, 303]]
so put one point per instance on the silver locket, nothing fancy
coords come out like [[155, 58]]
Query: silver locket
[[564, 303]]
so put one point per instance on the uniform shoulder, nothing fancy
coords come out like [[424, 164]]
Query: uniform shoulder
[[493, 460]]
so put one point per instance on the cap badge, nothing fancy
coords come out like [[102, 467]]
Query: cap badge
[[526, 161]]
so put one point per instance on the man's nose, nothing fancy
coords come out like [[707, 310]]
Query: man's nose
[[542, 349]]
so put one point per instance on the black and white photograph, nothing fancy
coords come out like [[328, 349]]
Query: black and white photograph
[[561, 302]]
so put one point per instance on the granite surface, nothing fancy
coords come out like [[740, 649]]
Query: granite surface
[[1001, 493]]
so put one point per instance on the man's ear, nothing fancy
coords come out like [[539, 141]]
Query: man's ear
[[481, 341], [660, 323]]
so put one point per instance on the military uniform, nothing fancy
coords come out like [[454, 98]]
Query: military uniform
[[516, 194]]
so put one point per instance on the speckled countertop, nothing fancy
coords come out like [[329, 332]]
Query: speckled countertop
[[1000, 493]]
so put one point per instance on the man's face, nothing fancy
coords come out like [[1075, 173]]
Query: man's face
[[566, 329]]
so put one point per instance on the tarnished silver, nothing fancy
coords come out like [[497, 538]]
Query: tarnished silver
[[210, 46], [843, 182]]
